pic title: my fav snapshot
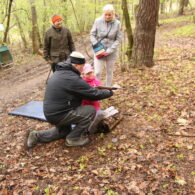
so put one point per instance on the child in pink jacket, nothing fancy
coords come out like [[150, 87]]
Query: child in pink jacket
[[88, 76]]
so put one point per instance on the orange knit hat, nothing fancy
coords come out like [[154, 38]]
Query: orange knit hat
[[56, 18]]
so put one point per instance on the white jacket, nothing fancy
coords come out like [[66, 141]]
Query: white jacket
[[101, 28]]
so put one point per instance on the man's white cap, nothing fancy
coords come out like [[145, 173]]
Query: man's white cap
[[77, 54], [77, 58]]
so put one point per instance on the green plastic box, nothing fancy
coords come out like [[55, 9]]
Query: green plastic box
[[5, 55]]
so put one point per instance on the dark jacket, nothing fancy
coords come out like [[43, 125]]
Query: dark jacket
[[66, 90], [58, 43]]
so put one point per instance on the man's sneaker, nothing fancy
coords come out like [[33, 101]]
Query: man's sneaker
[[31, 139], [80, 142]]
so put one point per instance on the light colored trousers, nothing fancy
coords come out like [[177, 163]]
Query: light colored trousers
[[107, 62]]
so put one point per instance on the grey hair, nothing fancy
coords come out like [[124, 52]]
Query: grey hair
[[108, 7]]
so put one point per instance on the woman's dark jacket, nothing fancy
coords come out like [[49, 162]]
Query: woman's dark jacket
[[65, 91]]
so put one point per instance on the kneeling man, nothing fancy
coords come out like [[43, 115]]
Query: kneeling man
[[62, 104]]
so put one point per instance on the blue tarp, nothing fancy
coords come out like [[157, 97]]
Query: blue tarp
[[33, 109]]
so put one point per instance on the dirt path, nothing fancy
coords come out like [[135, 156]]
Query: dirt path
[[19, 82], [22, 81]]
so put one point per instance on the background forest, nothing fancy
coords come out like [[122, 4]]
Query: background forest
[[150, 150], [25, 22]]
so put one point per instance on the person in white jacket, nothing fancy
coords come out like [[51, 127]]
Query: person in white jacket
[[108, 25]]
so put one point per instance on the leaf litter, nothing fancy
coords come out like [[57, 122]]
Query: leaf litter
[[151, 151]]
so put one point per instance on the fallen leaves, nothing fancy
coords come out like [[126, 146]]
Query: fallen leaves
[[180, 181], [182, 121], [140, 159]]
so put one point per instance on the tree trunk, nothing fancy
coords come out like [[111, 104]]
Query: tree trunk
[[128, 28], [8, 21], [21, 31], [162, 8], [95, 11], [170, 6], [157, 20], [65, 11], [186, 2], [144, 35], [35, 32], [44, 18], [181, 7], [136, 9]]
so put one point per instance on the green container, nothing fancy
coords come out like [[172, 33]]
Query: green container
[[5, 55]]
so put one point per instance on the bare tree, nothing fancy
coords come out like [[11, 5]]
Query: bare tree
[[44, 18], [36, 41], [21, 31], [181, 7], [170, 5], [8, 21], [95, 11], [162, 7], [186, 2], [128, 28], [145, 30]]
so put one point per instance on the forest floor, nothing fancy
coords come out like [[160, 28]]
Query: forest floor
[[155, 145]]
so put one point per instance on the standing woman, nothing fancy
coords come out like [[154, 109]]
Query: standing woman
[[107, 30], [58, 42]]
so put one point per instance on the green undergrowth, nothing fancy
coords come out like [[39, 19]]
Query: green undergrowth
[[176, 19], [184, 31]]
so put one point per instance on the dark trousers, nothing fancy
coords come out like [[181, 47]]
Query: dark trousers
[[81, 117], [55, 59]]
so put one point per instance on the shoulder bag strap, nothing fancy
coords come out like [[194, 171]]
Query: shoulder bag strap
[[106, 35]]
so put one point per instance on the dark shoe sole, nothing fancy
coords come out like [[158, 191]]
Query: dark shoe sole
[[70, 145]]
